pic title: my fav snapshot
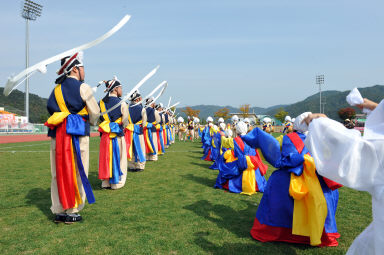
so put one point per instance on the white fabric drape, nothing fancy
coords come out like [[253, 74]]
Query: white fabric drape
[[344, 156]]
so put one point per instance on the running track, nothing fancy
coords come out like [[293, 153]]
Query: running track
[[28, 138]]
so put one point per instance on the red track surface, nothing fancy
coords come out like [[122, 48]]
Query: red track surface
[[28, 138]]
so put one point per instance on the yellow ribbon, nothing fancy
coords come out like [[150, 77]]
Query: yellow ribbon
[[249, 179], [148, 140], [105, 124], [229, 157], [310, 207]]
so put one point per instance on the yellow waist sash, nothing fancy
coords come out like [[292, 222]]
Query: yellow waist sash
[[310, 206]]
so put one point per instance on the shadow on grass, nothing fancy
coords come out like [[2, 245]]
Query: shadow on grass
[[238, 222], [203, 164], [41, 198], [243, 248], [201, 180], [235, 221], [94, 180]]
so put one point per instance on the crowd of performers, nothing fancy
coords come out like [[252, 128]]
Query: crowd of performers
[[299, 199], [299, 202], [130, 135]]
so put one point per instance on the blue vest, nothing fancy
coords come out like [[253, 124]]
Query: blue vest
[[71, 93], [161, 118], [151, 117], [109, 103], [135, 113], [166, 119]]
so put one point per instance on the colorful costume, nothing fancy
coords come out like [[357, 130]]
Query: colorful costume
[[196, 128], [113, 152], [150, 134], [191, 128], [182, 129], [297, 205], [72, 107], [160, 132], [207, 142], [134, 135], [241, 168], [168, 138]]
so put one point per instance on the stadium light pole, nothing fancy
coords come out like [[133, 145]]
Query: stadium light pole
[[29, 11], [320, 81]]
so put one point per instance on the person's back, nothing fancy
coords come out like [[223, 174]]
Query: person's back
[[72, 107], [112, 142]]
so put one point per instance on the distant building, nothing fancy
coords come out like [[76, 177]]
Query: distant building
[[275, 122], [251, 116], [11, 122]]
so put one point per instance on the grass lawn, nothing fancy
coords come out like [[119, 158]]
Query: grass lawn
[[170, 208]]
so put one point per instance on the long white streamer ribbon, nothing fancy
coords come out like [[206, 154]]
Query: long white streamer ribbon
[[138, 85], [161, 86], [13, 82]]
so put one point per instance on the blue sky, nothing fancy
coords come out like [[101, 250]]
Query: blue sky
[[261, 52]]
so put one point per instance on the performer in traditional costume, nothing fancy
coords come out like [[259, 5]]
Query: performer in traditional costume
[[248, 122], [113, 152], [134, 134], [234, 120], [173, 127], [182, 129], [241, 168], [165, 119], [298, 205], [72, 108], [168, 125], [288, 125], [149, 130], [160, 130], [191, 129], [267, 125], [206, 139], [343, 155], [216, 133], [196, 122]]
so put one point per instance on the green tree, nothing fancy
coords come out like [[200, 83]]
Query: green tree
[[280, 114]]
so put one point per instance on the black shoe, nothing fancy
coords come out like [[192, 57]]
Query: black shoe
[[139, 170], [72, 218], [60, 217], [106, 187], [131, 170]]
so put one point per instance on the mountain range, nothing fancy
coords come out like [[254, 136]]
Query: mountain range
[[335, 100]]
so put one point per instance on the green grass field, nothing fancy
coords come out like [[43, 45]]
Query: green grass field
[[170, 208]]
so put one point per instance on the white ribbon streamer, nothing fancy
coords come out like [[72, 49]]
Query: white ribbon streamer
[[168, 108], [161, 86], [138, 85], [13, 81]]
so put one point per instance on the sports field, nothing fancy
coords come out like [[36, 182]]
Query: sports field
[[170, 208]]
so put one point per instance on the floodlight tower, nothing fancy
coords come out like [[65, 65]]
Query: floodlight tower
[[320, 81], [30, 11]]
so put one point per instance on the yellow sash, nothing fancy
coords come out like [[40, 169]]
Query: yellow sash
[[58, 117], [105, 124], [249, 179], [310, 207]]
